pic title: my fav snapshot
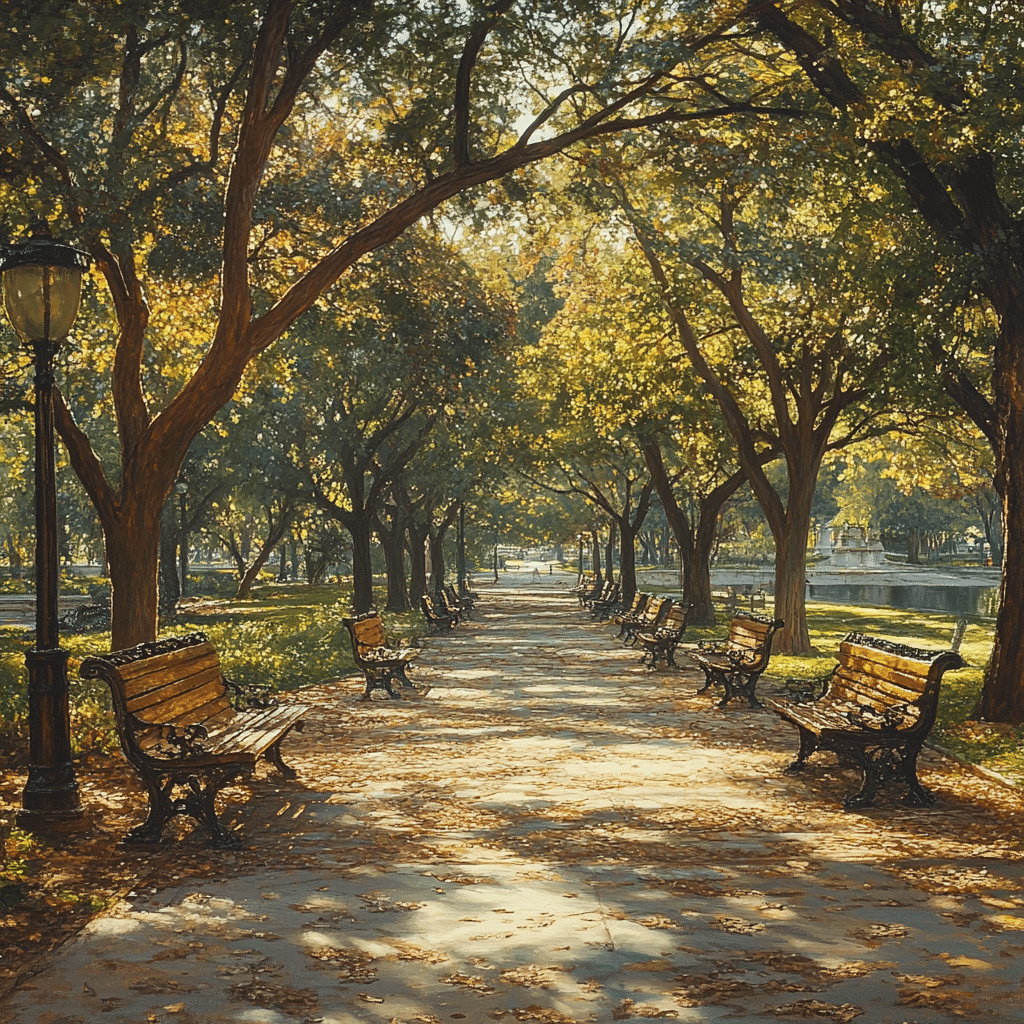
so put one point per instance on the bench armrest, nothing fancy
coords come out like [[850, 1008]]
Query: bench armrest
[[248, 697], [712, 646], [174, 742], [805, 690], [891, 719]]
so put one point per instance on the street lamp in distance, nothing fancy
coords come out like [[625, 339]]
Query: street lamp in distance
[[42, 287]]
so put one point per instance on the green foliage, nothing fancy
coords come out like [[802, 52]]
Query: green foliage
[[292, 648], [17, 846]]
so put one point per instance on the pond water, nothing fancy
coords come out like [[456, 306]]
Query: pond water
[[918, 597]]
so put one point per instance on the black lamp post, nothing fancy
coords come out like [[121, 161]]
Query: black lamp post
[[42, 285], [579, 560]]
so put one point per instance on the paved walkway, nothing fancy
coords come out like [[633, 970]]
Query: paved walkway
[[552, 833]]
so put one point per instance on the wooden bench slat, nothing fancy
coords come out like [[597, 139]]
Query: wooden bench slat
[[737, 661], [380, 664], [169, 663], [209, 676]]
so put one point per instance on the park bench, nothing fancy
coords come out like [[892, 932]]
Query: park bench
[[185, 734], [662, 641], [380, 664], [464, 602], [631, 613], [608, 589], [588, 594], [607, 604], [653, 615], [449, 601], [736, 662], [878, 707], [437, 618]]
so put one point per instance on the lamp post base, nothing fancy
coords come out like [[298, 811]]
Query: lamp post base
[[50, 799]]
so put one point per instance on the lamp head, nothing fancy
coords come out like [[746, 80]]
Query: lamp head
[[42, 284]]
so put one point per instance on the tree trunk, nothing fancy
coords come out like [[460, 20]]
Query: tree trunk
[[627, 563], [13, 556], [437, 569], [696, 540], [394, 565], [609, 551], [913, 546], [1002, 697], [133, 551], [252, 573], [595, 554], [791, 558], [358, 527], [417, 561]]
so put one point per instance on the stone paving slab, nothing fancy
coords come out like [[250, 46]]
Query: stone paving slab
[[552, 832]]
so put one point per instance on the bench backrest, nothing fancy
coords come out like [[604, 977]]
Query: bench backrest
[[430, 610], [880, 674], [675, 621], [640, 600], [176, 681], [753, 633], [366, 631], [655, 611]]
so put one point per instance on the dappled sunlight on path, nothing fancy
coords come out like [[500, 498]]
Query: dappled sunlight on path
[[549, 831]]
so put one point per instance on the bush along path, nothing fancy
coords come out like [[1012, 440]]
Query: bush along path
[[549, 831]]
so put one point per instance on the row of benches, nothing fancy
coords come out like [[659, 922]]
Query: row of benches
[[734, 662], [446, 609]]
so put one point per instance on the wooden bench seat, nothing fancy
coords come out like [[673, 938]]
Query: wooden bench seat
[[380, 663], [736, 662], [187, 730], [875, 714]]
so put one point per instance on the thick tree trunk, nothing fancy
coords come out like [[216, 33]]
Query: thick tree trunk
[[627, 563], [437, 566], [791, 559], [1002, 697], [134, 556], [359, 529], [391, 542], [417, 562]]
